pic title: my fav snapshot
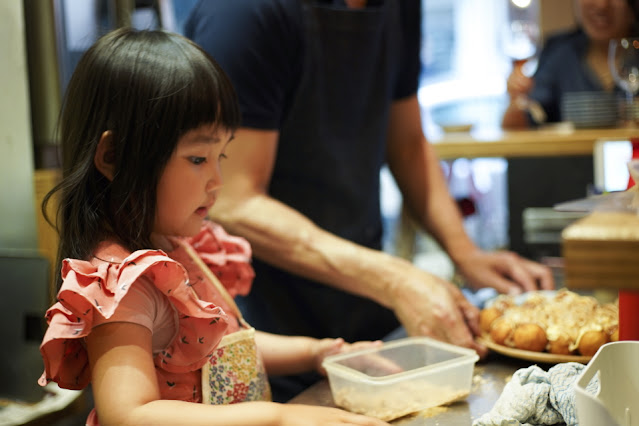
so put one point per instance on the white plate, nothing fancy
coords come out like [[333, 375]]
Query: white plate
[[531, 355]]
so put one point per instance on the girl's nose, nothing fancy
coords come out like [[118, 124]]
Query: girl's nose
[[215, 178]]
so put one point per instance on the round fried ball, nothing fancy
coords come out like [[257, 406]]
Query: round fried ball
[[530, 337], [503, 302], [501, 331], [591, 341], [486, 318], [560, 346], [614, 334]]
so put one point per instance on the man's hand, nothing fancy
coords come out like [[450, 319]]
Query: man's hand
[[504, 271], [429, 306]]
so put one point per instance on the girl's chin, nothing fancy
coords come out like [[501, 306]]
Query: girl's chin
[[190, 231], [161, 240]]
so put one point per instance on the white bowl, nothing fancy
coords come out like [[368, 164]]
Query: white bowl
[[616, 402]]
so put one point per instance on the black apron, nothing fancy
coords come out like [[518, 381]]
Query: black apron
[[331, 149]]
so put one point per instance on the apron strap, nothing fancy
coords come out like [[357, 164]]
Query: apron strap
[[213, 279]]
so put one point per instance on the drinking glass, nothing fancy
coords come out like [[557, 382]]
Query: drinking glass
[[520, 42], [623, 59]]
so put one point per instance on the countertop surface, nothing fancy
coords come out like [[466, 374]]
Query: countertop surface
[[543, 142], [489, 378]]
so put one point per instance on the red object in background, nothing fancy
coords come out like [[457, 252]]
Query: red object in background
[[629, 299], [466, 206], [628, 315], [635, 155]]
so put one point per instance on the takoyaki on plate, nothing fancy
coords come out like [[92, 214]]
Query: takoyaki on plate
[[548, 326]]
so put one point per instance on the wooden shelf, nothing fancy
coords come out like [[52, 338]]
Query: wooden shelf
[[525, 143]]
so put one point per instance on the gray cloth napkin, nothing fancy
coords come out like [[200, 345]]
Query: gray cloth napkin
[[536, 397]]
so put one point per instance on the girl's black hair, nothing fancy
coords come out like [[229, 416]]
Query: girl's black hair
[[148, 88]]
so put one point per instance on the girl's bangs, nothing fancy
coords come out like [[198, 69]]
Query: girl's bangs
[[203, 95]]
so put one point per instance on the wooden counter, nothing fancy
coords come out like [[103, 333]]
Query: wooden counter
[[547, 142]]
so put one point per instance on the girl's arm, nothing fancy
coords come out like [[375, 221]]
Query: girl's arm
[[125, 391], [284, 355]]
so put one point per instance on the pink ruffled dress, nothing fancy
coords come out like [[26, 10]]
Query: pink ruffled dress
[[92, 290]]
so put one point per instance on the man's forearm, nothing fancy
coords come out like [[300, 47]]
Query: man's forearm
[[417, 171], [285, 238], [428, 199]]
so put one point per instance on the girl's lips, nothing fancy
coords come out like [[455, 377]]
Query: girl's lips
[[202, 211]]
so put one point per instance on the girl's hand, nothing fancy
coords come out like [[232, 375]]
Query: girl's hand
[[307, 415], [327, 347]]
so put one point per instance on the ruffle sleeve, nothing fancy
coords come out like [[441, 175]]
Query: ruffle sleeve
[[226, 255], [96, 289]]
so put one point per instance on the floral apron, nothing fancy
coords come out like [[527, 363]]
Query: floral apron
[[235, 372]]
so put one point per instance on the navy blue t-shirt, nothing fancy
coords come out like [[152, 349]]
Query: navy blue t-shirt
[[260, 45]]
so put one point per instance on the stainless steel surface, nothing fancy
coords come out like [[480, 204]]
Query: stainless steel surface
[[489, 378], [25, 277]]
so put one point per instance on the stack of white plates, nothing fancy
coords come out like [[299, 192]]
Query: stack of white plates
[[590, 109]]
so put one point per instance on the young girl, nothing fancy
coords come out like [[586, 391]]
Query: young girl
[[145, 312]]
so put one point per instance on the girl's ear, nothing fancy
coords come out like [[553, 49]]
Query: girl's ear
[[104, 159]]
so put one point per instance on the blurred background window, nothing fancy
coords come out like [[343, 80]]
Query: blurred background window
[[80, 22], [466, 59]]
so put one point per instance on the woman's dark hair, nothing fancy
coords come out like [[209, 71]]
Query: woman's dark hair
[[148, 88]]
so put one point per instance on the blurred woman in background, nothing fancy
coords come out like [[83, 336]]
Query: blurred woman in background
[[572, 61]]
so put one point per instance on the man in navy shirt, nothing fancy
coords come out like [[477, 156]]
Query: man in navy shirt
[[327, 91]]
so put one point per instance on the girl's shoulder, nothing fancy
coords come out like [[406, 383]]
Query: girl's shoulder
[[97, 285], [91, 292]]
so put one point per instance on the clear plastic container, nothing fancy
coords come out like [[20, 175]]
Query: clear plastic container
[[616, 402], [400, 377]]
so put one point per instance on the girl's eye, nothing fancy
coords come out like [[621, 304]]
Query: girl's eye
[[223, 155], [197, 160]]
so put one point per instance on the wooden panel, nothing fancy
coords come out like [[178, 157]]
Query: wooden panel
[[44, 181], [602, 251], [598, 281], [556, 15]]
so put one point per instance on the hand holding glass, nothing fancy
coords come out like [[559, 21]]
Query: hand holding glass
[[520, 43]]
